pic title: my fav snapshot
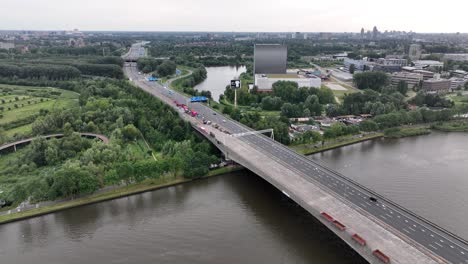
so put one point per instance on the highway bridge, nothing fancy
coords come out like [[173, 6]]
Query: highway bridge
[[378, 229]]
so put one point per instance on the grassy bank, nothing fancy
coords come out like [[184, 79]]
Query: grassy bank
[[308, 149], [452, 126], [406, 132], [145, 186]]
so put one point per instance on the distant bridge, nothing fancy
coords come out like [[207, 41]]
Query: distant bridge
[[29, 140]]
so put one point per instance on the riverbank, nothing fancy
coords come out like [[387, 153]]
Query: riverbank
[[145, 186], [309, 149], [402, 132], [452, 126]]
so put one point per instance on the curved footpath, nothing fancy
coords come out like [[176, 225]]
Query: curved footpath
[[60, 135]]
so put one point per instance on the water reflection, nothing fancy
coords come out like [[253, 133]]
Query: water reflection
[[236, 218], [425, 174]]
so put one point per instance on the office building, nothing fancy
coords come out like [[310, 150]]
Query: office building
[[412, 79], [456, 83], [436, 85]]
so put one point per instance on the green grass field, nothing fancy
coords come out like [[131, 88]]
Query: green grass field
[[458, 100], [23, 103]]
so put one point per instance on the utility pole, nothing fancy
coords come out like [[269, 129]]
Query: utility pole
[[235, 98]]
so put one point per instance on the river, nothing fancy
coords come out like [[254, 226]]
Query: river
[[426, 174], [235, 218], [218, 78]]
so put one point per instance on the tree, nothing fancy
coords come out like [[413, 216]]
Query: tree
[[312, 103], [402, 87], [371, 80], [130, 132], [290, 111], [352, 68], [166, 68], [368, 126]]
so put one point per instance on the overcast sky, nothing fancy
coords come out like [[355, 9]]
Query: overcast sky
[[235, 15]]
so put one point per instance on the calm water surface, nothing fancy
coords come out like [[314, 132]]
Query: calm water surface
[[236, 218], [426, 174], [218, 78]]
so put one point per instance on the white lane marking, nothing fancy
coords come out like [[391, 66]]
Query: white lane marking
[[412, 229], [432, 246], [438, 244], [432, 235], [406, 231]]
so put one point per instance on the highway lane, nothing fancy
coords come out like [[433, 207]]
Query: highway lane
[[404, 224]]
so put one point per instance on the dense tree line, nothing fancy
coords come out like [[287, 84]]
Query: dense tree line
[[108, 60], [104, 70], [431, 100], [368, 102], [147, 65], [287, 97], [73, 165], [47, 72]]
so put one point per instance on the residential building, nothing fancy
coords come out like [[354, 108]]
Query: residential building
[[437, 85], [412, 79]]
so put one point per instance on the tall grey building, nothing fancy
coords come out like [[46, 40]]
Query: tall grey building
[[270, 58]]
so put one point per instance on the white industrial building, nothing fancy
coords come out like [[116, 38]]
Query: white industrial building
[[264, 82]]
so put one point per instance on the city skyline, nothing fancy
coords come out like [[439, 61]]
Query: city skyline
[[243, 16]]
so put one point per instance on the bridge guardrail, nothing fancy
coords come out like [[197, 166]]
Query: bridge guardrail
[[387, 200]]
